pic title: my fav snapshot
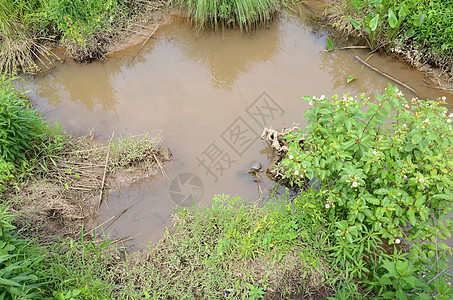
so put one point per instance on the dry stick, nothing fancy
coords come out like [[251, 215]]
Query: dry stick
[[439, 88], [149, 36], [386, 75], [125, 239], [105, 172], [103, 223], [120, 214], [347, 47], [160, 167], [85, 150]]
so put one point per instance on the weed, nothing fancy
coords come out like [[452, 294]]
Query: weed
[[385, 190], [232, 249], [20, 125], [220, 13], [132, 150], [17, 279]]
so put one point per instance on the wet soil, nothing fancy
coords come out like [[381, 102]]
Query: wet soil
[[209, 95]]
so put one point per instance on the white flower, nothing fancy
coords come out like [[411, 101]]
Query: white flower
[[314, 97], [444, 98], [421, 180], [400, 93], [327, 205], [397, 90], [296, 173], [448, 121], [450, 115], [397, 241], [427, 121], [290, 157], [404, 125], [355, 184], [374, 152], [322, 97], [310, 103]]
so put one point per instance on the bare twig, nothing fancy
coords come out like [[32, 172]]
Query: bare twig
[[120, 214], [103, 223], [439, 88], [85, 150], [442, 272], [105, 172], [347, 47], [152, 33], [386, 75], [160, 167]]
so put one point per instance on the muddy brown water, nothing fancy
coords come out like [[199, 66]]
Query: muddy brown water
[[209, 97]]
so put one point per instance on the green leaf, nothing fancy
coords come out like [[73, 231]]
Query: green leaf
[[374, 22], [419, 201], [393, 21], [330, 44], [417, 138], [8, 282], [443, 196], [411, 217], [350, 78], [382, 191], [355, 23]]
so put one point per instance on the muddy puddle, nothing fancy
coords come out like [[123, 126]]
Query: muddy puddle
[[208, 96]]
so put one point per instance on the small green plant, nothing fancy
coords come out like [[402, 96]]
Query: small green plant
[[384, 171], [381, 22], [21, 127], [6, 173], [17, 280], [131, 150]]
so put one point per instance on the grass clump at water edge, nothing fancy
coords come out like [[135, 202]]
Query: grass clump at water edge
[[231, 250], [242, 13]]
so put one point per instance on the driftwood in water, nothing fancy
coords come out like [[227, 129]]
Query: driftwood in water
[[386, 75], [279, 145]]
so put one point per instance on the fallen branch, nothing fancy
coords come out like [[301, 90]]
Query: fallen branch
[[149, 36], [120, 214], [105, 172], [386, 75], [347, 47], [439, 88]]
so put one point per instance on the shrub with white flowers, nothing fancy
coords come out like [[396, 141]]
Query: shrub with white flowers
[[385, 168]]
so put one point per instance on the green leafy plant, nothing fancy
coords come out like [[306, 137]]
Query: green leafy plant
[[384, 173], [381, 22], [17, 280], [20, 125]]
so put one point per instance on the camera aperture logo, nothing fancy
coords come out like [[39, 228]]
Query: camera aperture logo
[[186, 189]]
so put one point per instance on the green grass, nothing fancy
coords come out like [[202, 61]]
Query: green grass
[[245, 14], [21, 127], [28, 29], [436, 30], [231, 249]]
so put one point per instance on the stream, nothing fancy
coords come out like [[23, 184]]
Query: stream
[[208, 96]]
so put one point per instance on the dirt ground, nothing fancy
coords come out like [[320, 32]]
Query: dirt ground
[[59, 201]]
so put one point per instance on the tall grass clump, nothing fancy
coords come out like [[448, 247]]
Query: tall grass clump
[[20, 44], [21, 130], [229, 13]]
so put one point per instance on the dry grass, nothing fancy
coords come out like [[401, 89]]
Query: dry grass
[[63, 194]]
